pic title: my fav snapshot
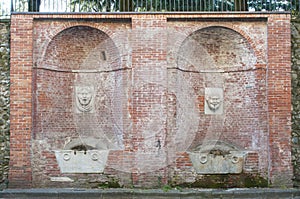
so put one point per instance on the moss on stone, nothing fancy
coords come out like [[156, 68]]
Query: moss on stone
[[226, 181], [255, 181], [109, 184]]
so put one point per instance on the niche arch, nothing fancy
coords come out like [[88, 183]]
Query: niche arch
[[184, 35], [216, 47], [79, 57], [57, 30], [217, 59], [91, 49]]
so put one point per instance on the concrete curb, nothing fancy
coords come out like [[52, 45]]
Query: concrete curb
[[150, 193]]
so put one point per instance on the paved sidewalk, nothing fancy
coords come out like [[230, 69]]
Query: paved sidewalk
[[150, 193]]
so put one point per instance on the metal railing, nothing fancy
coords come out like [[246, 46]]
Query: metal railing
[[147, 5]]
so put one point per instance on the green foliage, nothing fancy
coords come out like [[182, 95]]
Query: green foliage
[[150, 5], [102, 5], [166, 188], [268, 5], [92, 5], [167, 5], [181, 5]]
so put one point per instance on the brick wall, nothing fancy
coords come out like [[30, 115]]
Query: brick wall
[[149, 74], [279, 86], [21, 102]]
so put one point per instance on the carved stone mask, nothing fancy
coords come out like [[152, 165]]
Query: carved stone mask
[[84, 98], [213, 102]]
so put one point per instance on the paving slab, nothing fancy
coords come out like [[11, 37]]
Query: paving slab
[[150, 194]]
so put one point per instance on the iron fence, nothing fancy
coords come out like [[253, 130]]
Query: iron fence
[[148, 5]]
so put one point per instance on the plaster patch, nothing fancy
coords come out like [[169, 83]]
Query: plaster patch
[[61, 179]]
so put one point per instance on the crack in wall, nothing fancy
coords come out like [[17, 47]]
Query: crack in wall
[[216, 71], [83, 71]]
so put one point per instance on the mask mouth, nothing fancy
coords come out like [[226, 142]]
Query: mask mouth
[[85, 101], [213, 105]]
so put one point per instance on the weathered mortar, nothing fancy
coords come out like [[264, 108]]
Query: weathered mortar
[[4, 102]]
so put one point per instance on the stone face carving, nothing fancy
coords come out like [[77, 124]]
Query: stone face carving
[[213, 101], [84, 97]]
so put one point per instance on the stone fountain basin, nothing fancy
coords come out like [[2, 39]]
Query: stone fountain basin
[[206, 163], [90, 161]]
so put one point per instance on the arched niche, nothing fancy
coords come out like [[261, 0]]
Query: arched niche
[[82, 48], [78, 59], [216, 48], [217, 61]]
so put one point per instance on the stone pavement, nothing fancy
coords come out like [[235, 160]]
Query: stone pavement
[[150, 193]]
